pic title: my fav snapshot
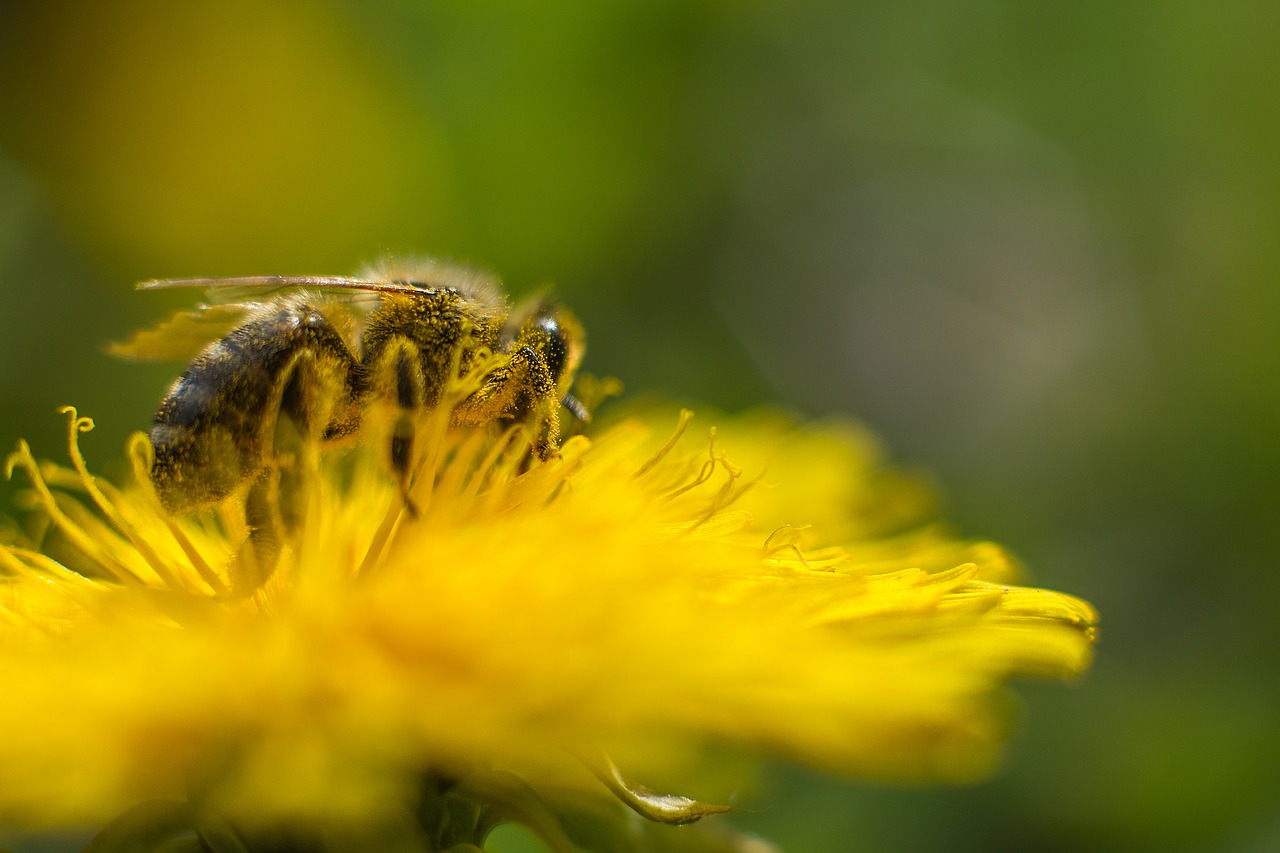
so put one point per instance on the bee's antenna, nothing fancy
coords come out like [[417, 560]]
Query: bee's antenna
[[576, 408]]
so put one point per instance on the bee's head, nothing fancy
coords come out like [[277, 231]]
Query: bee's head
[[548, 328]]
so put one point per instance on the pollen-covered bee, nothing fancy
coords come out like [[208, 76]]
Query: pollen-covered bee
[[297, 358]]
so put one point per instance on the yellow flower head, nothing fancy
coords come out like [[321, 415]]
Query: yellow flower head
[[646, 593]]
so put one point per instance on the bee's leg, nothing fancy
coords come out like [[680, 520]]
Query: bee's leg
[[276, 499], [397, 376], [257, 558], [521, 389], [307, 400], [312, 398]]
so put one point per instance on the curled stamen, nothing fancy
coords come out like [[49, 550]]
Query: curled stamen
[[792, 529], [708, 468], [793, 545], [76, 426], [23, 458], [686, 415], [724, 496], [730, 499]]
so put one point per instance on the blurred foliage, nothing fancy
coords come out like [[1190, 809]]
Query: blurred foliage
[[1032, 244]]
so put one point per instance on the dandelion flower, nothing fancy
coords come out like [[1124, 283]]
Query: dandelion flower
[[501, 647]]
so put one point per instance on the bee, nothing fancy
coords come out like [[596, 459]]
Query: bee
[[305, 358]]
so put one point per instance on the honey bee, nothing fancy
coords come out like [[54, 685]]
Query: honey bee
[[299, 358]]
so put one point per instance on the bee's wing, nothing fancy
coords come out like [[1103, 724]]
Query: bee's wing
[[232, 300], [254, 287], [184, 334]]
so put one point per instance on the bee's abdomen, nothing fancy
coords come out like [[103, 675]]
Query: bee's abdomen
[[217, 424]]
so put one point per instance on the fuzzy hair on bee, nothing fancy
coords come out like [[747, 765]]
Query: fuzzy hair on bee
[[287, 360]]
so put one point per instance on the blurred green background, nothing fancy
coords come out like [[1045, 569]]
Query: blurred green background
[[1034, 245]]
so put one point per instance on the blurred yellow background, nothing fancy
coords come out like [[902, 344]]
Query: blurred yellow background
[[1034, 246]]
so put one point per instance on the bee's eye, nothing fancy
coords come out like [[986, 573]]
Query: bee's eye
[[552, 331], [555, 347]]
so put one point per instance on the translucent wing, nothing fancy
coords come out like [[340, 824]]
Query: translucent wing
[[256, 287], [232, 300], [184, 334], [259, 281]]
